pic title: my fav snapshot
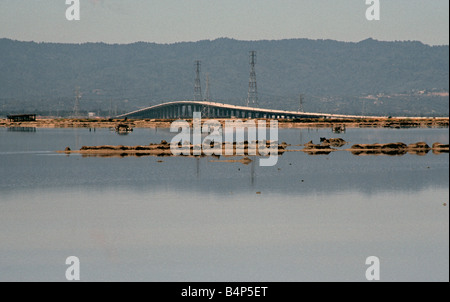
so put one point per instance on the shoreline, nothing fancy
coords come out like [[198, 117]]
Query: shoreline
[[338, 124]]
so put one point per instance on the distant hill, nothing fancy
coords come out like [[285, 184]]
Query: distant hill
[[43, 76]]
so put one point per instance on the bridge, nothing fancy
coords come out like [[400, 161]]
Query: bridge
[[185, 110]]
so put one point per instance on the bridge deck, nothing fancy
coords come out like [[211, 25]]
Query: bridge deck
[[185, 109]]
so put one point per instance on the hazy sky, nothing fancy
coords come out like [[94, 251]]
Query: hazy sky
[[168, 21]]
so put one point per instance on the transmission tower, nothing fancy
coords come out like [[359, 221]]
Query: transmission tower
[[252, 98], [300, 108], [76, 107], [198, 87]]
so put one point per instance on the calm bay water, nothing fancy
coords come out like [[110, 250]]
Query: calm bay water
[[317, 218]]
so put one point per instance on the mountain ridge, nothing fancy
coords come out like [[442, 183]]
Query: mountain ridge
[[146, 73]]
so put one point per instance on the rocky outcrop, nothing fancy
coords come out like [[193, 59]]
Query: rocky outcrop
[[440, 148], [164, 149], [420, 148], [333, 142], [123, 128], [313, 149]]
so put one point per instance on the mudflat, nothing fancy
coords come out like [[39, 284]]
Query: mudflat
[[338, 124]]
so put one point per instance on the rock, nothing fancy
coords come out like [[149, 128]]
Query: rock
[[123, 128], [419, 152], [246, 160], [309, 144], [420, 148], [392, 149], [67, 149], [440, 146], [420, 145], [334, 142], [394, 146]]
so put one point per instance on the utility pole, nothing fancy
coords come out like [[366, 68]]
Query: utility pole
[[58, 109], [76, 108], [110, 108], [198, 87], [252, 98], [300, 108]]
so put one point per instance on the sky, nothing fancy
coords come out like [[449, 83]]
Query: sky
[[170, 21]]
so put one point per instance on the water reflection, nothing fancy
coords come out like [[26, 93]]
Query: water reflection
[[309, 218], [21, 129], [164, 235]]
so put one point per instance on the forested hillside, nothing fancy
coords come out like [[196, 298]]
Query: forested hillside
[[43, 76]]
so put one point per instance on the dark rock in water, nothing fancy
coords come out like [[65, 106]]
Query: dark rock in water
[[420, 148], [313, 149], [392, 149], [394, 146], [366, 146], [334, 142], [309, 144], [283, 145], [67, 149], [420, 152], [390, 152], [393, 152], [107, 148], [141, 148], [123, 128], [440, 146], [420, 145], [319, 147]]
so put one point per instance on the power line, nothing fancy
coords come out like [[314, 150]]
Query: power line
[[300, 108], [76, 108]]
